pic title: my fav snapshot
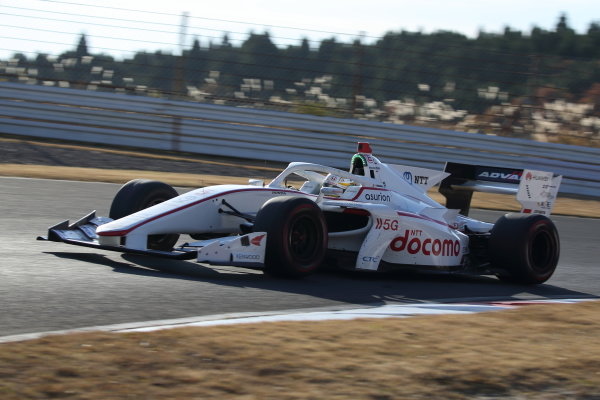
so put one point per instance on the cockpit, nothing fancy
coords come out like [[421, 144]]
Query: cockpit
[[313, 178]]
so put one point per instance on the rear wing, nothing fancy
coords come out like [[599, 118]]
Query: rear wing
[[535, 190]]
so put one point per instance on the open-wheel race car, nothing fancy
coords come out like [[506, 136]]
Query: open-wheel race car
[[374, 217]]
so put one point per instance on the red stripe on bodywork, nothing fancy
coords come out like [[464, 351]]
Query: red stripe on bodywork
[[405, 214], [127, 231], [356, 211], [362, 189]]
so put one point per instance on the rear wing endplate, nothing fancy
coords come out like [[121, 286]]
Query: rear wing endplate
[[536, 191]]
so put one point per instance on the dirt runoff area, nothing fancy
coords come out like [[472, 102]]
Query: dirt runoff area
[[535, 352]]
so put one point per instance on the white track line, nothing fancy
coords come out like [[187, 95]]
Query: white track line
[[385, 311]]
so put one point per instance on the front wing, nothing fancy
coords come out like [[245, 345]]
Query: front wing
[[245, 250]]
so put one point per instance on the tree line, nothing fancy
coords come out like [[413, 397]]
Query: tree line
[[468, 73]]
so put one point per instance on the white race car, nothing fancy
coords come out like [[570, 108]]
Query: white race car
[[375, 217]]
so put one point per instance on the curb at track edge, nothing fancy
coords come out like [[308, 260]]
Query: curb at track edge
[[379, 311]]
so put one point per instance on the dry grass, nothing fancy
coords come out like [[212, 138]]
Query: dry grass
[[537, 352], [114, 175]]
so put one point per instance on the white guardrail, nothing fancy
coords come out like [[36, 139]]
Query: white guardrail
[[145, 122]]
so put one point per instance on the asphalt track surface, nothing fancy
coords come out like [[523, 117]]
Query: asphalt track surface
[[46, 286]]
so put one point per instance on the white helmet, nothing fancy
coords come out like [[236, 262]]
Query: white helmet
[[332, 180]]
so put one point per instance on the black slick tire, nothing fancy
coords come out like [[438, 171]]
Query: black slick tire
[[525, 246], [139, 194], [296, 236]]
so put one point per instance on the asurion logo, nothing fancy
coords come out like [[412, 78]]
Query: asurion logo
[[378, 197]]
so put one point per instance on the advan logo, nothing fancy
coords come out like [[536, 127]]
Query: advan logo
[[500, 176], [492, 174], [413, 243]]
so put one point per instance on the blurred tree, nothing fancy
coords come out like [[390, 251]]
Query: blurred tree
[[222, 60], [195, 66], [259, 58], [82, 48], [567, 45], [297, 64]]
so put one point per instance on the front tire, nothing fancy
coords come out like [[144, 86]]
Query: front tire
[[139, 194], [525, 246], [296, 236]]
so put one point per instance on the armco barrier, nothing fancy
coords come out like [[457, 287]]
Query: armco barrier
[[145, 122]]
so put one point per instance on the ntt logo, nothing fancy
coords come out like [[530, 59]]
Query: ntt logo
[[408, 177]]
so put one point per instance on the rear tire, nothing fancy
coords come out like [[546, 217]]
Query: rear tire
[[139, 194], [296, 236], [526, 246]]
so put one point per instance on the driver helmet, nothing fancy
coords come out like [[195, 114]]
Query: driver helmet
[[332, 180]]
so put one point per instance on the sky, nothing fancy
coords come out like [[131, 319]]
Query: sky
[[122, 27]]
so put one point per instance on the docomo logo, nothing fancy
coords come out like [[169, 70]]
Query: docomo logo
[[428, 247]]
